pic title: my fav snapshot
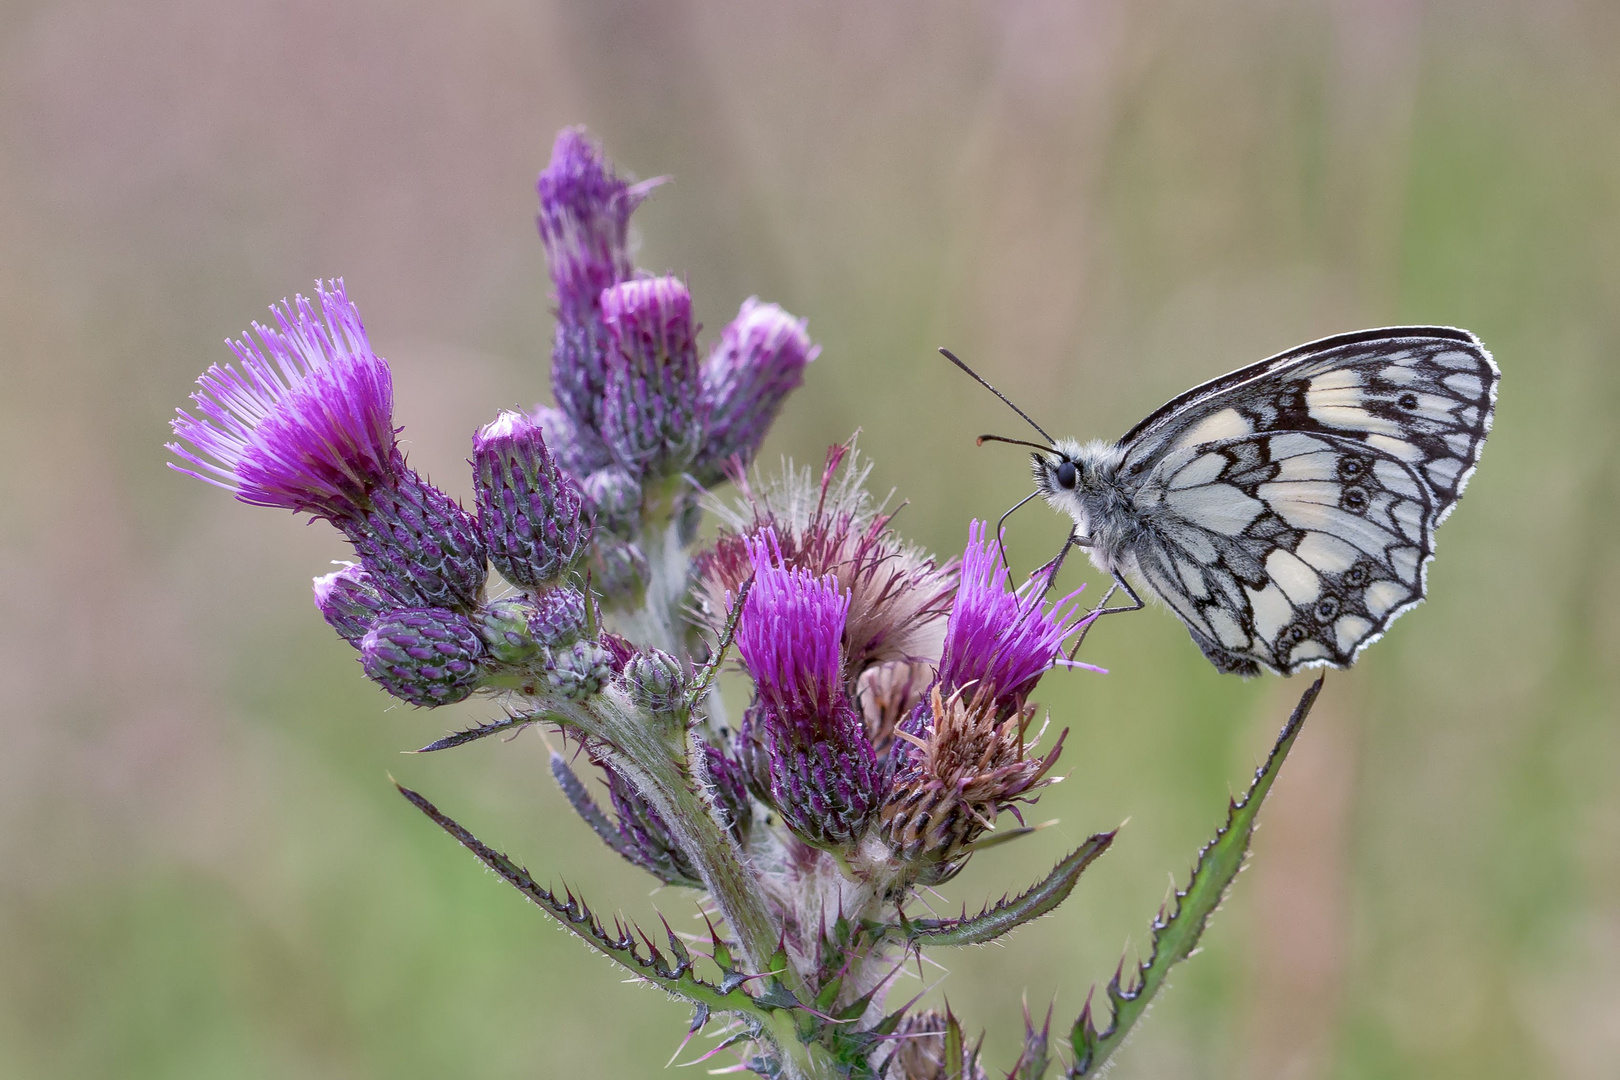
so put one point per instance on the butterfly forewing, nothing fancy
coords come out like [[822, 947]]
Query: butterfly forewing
[[1288, 508]]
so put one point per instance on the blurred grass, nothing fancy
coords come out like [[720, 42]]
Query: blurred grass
[[203, 869]]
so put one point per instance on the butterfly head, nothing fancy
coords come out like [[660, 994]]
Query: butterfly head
[[1076, 478]]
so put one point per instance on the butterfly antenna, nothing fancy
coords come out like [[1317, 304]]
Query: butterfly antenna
[[1000, 525], [974, 375]]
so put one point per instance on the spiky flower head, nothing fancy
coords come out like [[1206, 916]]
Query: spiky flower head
[[426, 656], [823, 775], [963, 762], [898, 594], [931, 1046], [651, 415], [999, 638], [557, 616], [350, 601], [528, 511], [760, 360], [656, 682], [306, 424], [306, 421], [579, 671]]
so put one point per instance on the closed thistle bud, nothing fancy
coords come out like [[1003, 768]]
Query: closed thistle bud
[[505, 627], [618, 569], [824, 777], [578, 671], [649, 842], [760, 360], [426, 656], [614, 498], [730, 791], [528, 511], [557, 616], [306, 424], [652, 412], [349, 602], [657, 683], [584, 223]]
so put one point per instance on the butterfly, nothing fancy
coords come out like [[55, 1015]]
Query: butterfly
[[1284, 512]]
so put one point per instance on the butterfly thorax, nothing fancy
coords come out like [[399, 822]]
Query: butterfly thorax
[[1105, 518]]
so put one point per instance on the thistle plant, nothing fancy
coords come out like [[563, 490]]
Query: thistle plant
[[891, 729]]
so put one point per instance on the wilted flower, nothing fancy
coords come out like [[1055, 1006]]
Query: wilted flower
[[307, 424], [760, 360], [824, 776], [898, 594], [921, 1050]]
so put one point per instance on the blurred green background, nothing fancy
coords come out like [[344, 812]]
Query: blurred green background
[[204, 871]]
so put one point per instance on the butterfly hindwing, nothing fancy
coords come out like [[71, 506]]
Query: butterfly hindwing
[[1284, 550]]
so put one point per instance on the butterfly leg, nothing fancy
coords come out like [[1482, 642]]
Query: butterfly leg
[[1102, 609]]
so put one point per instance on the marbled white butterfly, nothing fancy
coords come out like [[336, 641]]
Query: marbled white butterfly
[[1286, 512]]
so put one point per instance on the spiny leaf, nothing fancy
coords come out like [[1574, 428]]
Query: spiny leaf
[[621, 945], [579, 798], [1006, 915], [482, 731], [1176, 936]]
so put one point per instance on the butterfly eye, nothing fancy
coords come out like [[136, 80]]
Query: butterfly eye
[[1066, 475]]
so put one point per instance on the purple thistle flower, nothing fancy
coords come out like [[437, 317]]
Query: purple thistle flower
[[307, 425], [350, 602], [426, 656], [528, 512], [651, 415], [584, 222], [823, 774], [998, 638], [759, 361]]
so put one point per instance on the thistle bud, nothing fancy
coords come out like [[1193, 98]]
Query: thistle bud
[[577, 450], [649, 842], [759, 361], [584, 223], [578, 671], [657, 683], [618, 569], [349, 602], [730, 791], [613, 496], [557, 616], [651, 415], [426, 656], [528, 511], [504, 626]]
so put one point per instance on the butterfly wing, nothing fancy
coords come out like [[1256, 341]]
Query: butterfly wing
[[1289, 507]]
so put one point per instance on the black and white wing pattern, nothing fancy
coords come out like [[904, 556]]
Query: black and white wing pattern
[[1288, 509]]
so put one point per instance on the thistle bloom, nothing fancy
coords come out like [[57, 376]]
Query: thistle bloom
[[528, 512], [759, 361], [307, 424], [998, 638], [584, 222], [822, 772], [651, 415], [962, 755]]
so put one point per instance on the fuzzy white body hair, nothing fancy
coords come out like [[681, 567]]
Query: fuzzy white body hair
[[1105, 518]]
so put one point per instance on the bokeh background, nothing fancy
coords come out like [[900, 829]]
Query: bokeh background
[[204, 871]]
